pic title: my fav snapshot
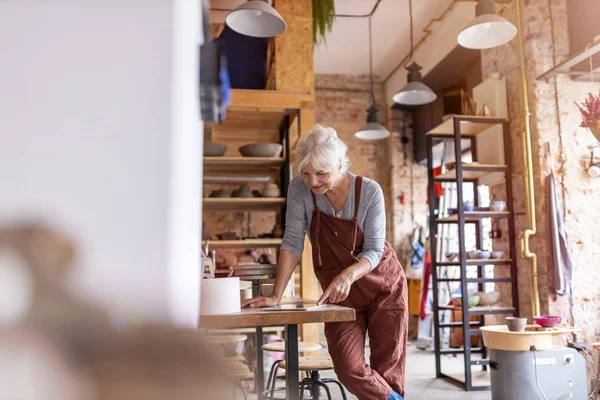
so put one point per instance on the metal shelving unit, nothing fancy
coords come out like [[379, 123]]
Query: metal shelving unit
[[460, 128]]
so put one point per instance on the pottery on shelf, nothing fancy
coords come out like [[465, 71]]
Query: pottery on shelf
[[214, 149], [243, 191], [219, 193], [483, 255], [271, 190], [473, 300], [261, 150], [488, 299], [498, 206], [497, 255], [469, 206]]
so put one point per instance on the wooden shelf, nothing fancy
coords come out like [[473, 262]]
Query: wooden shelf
[[255, 116], [241, 165], [489, 261], [243, 204], [245, 243], [473, 216], [471, 172], [470, 125], [482, 310], [577, 66]]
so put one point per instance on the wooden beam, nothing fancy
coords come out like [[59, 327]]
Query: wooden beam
[[267, 100]]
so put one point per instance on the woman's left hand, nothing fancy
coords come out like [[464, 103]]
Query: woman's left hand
[[338, 289]]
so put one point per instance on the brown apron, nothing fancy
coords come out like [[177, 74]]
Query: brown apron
[[380, 301]]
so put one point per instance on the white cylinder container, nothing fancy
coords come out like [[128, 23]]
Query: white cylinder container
[[220, 296]]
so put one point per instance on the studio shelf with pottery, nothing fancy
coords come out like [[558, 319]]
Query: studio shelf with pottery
[[474, 266], [245, 243], [243, 204]]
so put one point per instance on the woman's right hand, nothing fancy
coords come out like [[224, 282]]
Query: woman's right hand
[[261, 301]]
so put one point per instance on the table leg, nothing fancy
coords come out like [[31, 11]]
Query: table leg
[[291, 360], [259, 374]]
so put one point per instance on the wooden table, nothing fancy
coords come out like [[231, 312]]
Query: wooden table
[[251, 317]]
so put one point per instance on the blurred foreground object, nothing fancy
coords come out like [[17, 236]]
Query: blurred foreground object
[[55, 346]]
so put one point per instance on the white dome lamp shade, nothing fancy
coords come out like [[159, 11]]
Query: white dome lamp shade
[[415, 92], [487, 30], [373, 130], [256, 18]]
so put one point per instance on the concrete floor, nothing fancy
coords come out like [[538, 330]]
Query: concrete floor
[[420, 379]]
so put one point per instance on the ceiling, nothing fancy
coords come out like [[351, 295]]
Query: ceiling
[[347, 46]]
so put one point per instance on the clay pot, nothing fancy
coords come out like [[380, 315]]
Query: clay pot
[[243, 191], [261, 150], [271, 190], [214, 149]]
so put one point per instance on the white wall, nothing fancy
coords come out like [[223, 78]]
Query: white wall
[[90, 140]]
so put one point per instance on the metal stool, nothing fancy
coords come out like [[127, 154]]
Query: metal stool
[[312, 366], [279, 347]]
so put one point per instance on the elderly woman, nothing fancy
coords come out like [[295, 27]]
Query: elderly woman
[[344, 217]]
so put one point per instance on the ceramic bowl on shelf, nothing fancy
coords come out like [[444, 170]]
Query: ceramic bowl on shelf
[[497, 255], [498, 206], [469, 206], [214, 149], [261, 150], [452, 211], [483, 255], [488, 299], [451, 256], [547, 321], [472, 255]]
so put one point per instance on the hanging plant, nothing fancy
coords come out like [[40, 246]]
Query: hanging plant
[[590, 114], [323, 16]]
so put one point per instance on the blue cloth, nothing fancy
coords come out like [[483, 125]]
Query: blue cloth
[[395, 396], [418, 255], [225, 92]]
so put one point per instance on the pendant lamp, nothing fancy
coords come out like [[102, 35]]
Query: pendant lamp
[[487, 30], [256, 18], [373, 130], [415, 92]]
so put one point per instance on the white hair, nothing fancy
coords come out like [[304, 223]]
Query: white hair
[[323, 150]]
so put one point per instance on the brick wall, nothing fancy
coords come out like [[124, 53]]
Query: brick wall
[[555, 121]]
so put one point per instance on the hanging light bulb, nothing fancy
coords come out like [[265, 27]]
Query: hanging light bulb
[[487, 30], [256, 18], [415, 92], [373, 130]]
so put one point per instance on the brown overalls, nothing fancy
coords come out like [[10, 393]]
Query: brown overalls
[[380, 301]]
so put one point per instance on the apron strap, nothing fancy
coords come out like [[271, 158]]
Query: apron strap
[[357, 188], [317, 229]]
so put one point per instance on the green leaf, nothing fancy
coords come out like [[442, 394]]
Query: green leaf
[[323, 18]]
